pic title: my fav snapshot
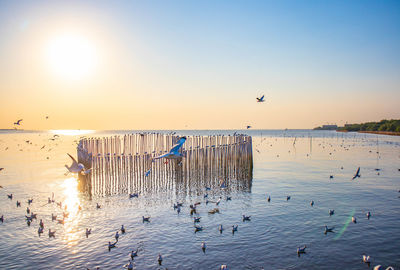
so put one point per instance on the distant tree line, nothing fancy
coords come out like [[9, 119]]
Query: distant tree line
[[384, 125]]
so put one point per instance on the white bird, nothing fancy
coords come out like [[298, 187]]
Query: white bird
[[172, 154], [260, 99], [75, 166], [366, 259], [203, 246]]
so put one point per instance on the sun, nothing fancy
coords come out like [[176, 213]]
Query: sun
[[71, 57]]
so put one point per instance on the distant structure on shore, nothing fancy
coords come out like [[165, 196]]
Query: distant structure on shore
[[327, 127]]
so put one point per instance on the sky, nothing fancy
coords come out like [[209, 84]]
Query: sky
[[198, 64]]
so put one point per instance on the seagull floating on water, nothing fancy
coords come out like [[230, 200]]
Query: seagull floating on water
[[134, 253], [133, 195], [52, 234], [197, 228], [159, 258], [203, 246], [328, 229], [234, 228], [353, 219], [246, 218], [111, 245], [366, 259], [301, 249]]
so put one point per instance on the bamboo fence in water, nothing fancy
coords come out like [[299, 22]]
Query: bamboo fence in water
[[119, 163]]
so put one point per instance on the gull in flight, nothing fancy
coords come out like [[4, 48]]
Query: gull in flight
[[357, 174], [172, 154], [260, 99], [77, 167], [18, 122]]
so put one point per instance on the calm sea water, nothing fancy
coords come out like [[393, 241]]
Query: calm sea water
[[293, 162]]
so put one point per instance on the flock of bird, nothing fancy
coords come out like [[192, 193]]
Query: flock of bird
[[77, 168]]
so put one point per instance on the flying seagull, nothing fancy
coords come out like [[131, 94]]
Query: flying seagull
[[357, 174], [18, 122], [261, 99], [75, 166], [172, 154]]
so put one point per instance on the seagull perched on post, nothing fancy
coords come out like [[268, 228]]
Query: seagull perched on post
[[260, 99], [172, 154]]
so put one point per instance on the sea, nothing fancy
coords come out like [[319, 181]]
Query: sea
[[306, 165]]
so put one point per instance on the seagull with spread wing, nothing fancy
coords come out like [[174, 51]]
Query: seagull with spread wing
[[357, 174], [18, 122], [172, 154], [261, 99], [75, 166]]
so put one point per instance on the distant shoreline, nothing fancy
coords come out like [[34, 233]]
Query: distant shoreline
[[390, 133]]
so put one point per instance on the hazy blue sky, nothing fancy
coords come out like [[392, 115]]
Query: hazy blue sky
[[198, 64]]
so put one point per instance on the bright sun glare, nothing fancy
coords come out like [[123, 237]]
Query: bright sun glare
[[71, 57]]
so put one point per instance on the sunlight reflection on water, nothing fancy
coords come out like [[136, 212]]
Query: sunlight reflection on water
[[72, 204]]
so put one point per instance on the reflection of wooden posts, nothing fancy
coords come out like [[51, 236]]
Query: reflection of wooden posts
[[119, 164]]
